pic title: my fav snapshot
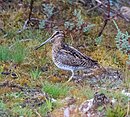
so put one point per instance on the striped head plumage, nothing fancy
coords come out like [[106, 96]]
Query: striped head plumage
[[56, 37]]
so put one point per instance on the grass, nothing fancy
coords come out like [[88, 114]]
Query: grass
[[56, 90], [116, 111], [45, 108], [88, 92], [116, 94], [35, 73], [16, 54], [14, 95], [21, 112], [2, 105], [30, 34], [4, 53]]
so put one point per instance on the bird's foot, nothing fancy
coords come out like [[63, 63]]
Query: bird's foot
[[75, 78], [69, 79]]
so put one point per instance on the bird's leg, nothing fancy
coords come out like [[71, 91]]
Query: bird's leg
[[71, 76]]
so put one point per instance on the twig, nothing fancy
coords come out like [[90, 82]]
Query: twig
[[31, 7], [37, 113], [106, 20], [26, 23], [94, 7], [99, 1], [111, 9], [128, 109], [108, 9], [105, 23], [29, 17]]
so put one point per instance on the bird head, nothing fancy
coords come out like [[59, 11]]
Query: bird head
[[56, 36]]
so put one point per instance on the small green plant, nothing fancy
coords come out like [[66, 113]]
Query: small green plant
[[55, 90], [15, 95], [2, 105], [21, 112], [15, 54], [18, 53], [88, 27], [77, 14], [81, 24], [42, 24], [4, 53], [98, 40], [49, 104], [48, 10], [45, 108], [69, 25], [35, 73], [117, 111], [122, 40], [78, 23]]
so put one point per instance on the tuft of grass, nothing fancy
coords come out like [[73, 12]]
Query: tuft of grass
[[35, 73], [55, 90], [4, 53], [45, 108], [117, 111], [15, 95], [19, 53], [21, 112]]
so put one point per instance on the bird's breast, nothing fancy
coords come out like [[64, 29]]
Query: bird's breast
[[58, 61]]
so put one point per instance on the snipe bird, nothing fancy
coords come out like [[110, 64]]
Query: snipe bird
[[67, 57]]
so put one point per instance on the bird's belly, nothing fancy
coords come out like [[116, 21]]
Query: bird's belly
[[60, 65], [65, 67]]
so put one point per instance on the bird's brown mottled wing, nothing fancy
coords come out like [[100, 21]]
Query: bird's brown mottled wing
[[72, 57]]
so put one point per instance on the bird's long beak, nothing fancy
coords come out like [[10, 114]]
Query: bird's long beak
[[43, 43]]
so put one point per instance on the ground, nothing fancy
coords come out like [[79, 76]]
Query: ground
[[31, 85]]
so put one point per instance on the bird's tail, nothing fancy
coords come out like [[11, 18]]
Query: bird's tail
[[97, 69]]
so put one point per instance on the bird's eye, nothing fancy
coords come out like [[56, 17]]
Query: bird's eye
[[57, 32]]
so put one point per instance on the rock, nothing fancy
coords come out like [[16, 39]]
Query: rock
[[125, 11], [70, 100], [125, 93], [89, 108], [67, 112]]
